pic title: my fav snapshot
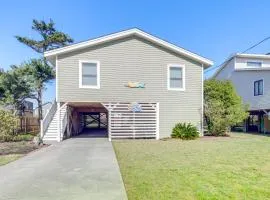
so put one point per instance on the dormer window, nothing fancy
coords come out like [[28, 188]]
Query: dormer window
[[254, 64]]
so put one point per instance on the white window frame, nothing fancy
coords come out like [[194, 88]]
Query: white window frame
[[98, 74], [183, 77]]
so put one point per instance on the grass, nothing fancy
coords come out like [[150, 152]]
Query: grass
[[10, 151], [236, 167], [5, 159]]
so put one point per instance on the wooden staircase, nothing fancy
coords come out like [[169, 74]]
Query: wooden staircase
[[49, 125]]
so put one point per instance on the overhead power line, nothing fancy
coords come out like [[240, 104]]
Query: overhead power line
[[248, 49], [257, 44]]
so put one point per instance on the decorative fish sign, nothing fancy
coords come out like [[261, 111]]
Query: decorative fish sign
[[135, 85]]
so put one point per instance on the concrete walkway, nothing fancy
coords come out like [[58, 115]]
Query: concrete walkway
[[78, 168]]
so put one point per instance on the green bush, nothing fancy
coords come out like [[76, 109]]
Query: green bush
[[8, 124], [16, 138], [185, 131], [223, 107]]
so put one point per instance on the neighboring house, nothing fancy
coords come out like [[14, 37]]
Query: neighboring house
[[45, 109], [250, 74], [26, 109], [131, 83]]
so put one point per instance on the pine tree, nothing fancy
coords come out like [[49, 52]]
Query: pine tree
[[50, 39]]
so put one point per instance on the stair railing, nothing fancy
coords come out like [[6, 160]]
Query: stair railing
[[45, 122]]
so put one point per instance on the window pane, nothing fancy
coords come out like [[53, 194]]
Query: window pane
[[254, 64], [89, 80], [175, 72], [261, 87], [89, 74], [89, 68], [256, 88], [176, 83]]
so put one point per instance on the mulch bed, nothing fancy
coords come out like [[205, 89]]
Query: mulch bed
[[23, 147]]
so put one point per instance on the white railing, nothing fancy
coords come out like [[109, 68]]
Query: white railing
[[44, 124], [64, 122]]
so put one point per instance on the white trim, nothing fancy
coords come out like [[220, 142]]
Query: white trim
[[252, 56], [183, 77], [157, 121], [124, 34], [56, 79], [98, 74], [58, 113], [202, 114]]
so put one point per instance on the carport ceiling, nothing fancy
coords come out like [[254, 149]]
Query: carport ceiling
[[86, 104]]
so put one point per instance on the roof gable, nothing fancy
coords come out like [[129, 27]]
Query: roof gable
[[124, 34], [239, 55]]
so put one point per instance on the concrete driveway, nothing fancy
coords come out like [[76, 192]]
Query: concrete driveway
[[78, 168]]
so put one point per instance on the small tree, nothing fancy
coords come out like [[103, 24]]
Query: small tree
[[38, 73], [15, 88], [8, 125], [222, 106]]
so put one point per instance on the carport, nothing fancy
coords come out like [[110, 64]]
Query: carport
[[114, 119], [88, 119]]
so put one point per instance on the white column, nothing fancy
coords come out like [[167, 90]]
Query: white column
[[157, 121], [109, 124], [58, 122]]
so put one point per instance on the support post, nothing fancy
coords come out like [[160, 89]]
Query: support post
[[58, 122], [157, 121]]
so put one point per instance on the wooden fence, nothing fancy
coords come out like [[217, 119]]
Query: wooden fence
[[28, 125]]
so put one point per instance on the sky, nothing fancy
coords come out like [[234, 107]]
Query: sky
[[213, 29]]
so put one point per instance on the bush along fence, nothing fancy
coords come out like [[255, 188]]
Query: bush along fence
[[14, 128]]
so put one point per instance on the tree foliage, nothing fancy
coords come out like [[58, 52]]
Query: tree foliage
[[222, 106], [15, 88], [39, 69], [50, 37], [39, 73], [8, 124]]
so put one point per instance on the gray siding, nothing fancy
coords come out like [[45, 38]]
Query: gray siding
[[243, 81], [134, 59]]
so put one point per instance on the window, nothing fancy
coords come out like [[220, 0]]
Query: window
[[176, 77], [89, 74], [254, 64], [258, 87]]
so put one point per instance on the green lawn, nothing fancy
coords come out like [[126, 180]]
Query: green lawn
[[236, 167], [5, 159]]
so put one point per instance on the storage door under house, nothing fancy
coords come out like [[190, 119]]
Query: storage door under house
[[133, 120]]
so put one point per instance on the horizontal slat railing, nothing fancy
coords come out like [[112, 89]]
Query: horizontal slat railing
[[124, 123]]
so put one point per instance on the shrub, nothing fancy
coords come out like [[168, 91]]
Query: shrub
[[185, 131], [16, 138], [8, 124], [223, 107]]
